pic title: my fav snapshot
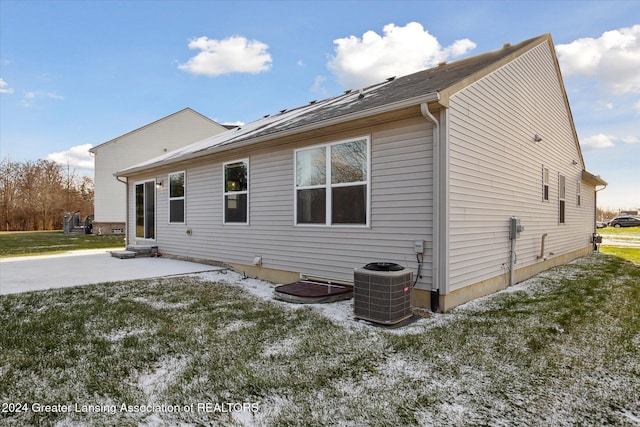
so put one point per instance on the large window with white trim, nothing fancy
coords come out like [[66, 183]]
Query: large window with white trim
[[176, 197], [332, 183], [236, 192]]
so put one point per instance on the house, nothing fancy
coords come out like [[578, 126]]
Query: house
[[166, 134], [425, 170]]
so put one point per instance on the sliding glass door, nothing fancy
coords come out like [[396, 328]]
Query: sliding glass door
[[145, 210]]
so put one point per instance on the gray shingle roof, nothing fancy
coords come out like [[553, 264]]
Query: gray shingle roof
[[370, 99]]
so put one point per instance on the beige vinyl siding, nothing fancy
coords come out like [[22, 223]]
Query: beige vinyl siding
[[496, 170], [167, 134], [400, 208]]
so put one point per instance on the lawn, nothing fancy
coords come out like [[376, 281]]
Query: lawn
[[630, 254], [562, 348], [630, 232], [48, 242], [622, 242]]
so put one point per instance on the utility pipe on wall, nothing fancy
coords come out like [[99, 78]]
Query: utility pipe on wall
[[512, 261], [544, 236]]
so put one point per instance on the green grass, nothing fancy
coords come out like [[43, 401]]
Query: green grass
[[561, 349], [612, 231], [623, 242], [49, 242], [630, 254]]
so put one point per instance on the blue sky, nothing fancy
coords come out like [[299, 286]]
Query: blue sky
[[75, 74]]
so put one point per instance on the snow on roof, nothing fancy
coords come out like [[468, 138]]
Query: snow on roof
[[264, 126]]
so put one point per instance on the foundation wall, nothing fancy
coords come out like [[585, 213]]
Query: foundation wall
[[103, 228], [422, 298]]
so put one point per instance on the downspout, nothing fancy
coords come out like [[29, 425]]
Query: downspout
[[435, 230], [126, 215], [595, 216]]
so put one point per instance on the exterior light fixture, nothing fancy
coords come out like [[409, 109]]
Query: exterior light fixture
[[159, 184], [537, 138]]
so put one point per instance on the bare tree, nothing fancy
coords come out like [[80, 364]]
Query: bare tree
[[35, 194]]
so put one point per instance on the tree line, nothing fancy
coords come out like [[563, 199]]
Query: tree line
[[36, 194]]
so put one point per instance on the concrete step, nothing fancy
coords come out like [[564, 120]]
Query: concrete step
[[137, 251], [143, 250], [123, 254]]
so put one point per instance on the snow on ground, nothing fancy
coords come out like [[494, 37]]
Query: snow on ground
[[341, 312], [159, 304], [122, 334], [408, 373], [154, 383]]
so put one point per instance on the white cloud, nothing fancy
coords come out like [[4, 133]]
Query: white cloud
[[232, 55], [29, 97], [76, 157], [4, 87], [318, 87], [613, 59], [637, 106], [598, 142], [399, 51], [602, 141]]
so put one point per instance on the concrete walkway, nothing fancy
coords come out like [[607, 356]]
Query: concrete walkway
[[32, 273]]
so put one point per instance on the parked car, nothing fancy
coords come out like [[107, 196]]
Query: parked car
[[624, 221], [601, 224]]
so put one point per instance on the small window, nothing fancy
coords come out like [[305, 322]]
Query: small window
[[561, 198], [578, 190], [176, 198], [545, 184], [236, 192], [332, 183]]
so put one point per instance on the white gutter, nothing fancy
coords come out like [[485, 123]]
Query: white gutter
[[430, 97], [435, 231]]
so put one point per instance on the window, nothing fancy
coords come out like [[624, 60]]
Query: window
[[561, 198], [332, 183], [578, 190], [176, 198], [236, 192], [545, 184]]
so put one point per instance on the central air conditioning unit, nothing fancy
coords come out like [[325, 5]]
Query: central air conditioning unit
[[382, 293]]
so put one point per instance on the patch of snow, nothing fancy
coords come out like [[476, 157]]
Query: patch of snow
[[122, 334], [632, 417], [154, 383], [161, 305], [244, 417], [259, 288], [237, 325], [285, 347], [284, 120]]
